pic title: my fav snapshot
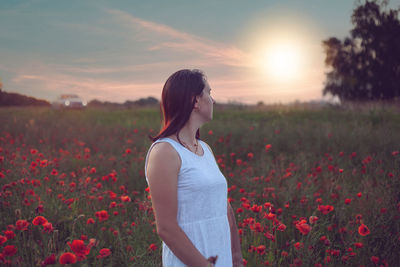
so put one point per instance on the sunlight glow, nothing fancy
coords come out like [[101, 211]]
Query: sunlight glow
[[285, 51], [282, 62]]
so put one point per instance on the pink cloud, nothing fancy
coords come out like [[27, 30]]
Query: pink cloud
[[162, 36]]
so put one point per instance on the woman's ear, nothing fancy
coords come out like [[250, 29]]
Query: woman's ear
[[196, 102]]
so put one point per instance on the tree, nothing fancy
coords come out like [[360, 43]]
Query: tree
[[366, 66]]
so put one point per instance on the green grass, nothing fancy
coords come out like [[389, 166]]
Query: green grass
[[309, 147]]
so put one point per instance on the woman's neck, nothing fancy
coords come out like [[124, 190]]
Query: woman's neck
[[187, 135]]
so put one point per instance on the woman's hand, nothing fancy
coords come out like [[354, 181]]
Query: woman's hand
[[211, 261]]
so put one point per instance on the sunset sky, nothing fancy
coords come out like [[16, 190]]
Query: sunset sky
[[255, 50]]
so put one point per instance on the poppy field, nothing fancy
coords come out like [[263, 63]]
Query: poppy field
[[309, 187]]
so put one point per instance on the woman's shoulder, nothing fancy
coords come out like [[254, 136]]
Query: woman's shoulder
[[163, 147]]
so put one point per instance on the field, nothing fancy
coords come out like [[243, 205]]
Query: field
[[309, 187]]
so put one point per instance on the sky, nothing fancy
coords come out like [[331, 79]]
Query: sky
[[250, 50]]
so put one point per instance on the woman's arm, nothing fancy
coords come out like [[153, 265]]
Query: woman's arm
[[237, 259], [162, 174]]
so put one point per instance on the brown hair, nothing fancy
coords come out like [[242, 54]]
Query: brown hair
[[178, 100]]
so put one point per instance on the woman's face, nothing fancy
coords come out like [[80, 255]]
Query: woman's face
[[206, 102]]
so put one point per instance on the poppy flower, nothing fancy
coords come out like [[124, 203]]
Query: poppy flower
[[9, 250], [281, 227], [9, 234], [269, 216], [363, 230], [102, 215], [358, 245], [90, 221], [325, 209], [152, 247], [313, 219], [22, 225], [48, 227], [255, 208], [260, 249], [67, 258], [49, 260], [303, 227], [375, 259], [79, 248], [39, 220], [298, 245], [104, 252], [125, 199], [270, 236], [3, 239]]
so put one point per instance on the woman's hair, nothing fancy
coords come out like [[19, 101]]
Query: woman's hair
[[178, 100]]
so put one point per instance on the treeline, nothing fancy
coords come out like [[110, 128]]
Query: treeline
[[14, 99], [149, 101]]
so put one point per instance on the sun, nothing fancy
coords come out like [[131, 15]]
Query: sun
[[282, 61]]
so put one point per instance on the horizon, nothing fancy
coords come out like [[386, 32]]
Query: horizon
[[121, 51]]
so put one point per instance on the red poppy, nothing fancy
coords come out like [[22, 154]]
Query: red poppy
[[67, 258], [281, 227], [347, 201], [269, 216], [125, 199], [3, 239], [22, 225], [325, 209], [303, 227], [152, 247], [269, 236], [260, 249], [267, 147], [363, 230], [90, 221], [375, 259], [9, 250], [9, 234], [298, 245], [102, 215], [358, 245], [104, 252], [49, 260], [48, 227], [79, 248], [313, 219], [39, 220], [256, 208]]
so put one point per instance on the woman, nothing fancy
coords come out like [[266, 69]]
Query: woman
[[188, 191]]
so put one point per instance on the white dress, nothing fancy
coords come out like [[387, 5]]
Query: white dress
[[202, 206]]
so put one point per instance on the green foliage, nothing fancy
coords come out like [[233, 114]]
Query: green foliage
[[366, 66]]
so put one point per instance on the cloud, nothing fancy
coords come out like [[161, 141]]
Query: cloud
[[161, 36]]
